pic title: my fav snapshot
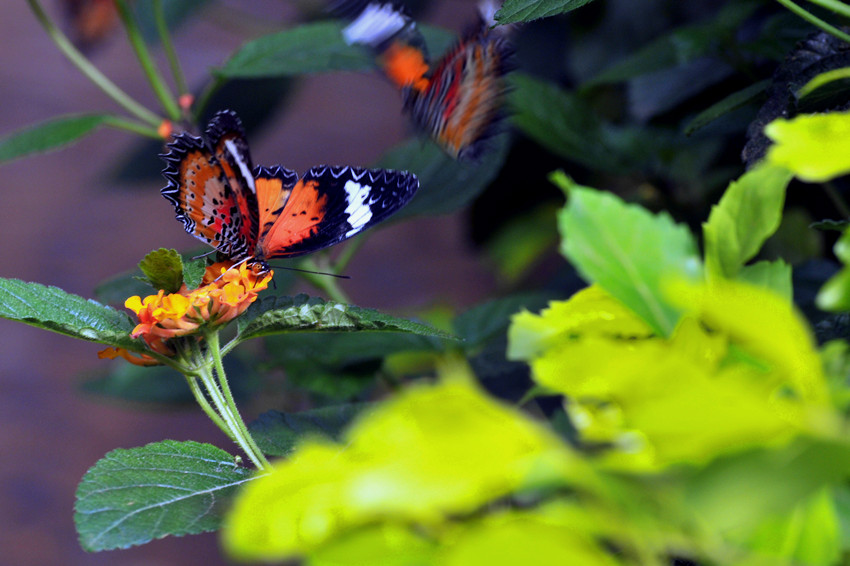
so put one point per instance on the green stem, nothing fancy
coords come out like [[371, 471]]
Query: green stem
[[839, 8], [206, 96], [347, 254], [132, 126], [90, 71], [205, 405], [163, 93], [168, 47], [245, 440], [814, 20], [327, 285]]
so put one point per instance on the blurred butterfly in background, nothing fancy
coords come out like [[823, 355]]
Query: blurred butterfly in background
[[263, 213], [459, 100]]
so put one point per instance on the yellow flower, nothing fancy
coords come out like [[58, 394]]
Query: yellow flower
[[224, 294]]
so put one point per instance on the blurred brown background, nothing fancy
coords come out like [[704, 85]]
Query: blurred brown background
[[65, 221]]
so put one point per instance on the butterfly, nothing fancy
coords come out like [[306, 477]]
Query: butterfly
[[458, 102], [258, 214]]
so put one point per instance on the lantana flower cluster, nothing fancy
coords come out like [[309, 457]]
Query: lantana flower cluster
[[224, 294]]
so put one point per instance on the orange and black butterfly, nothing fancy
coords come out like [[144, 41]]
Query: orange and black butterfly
[[459, 99], [257, 214]]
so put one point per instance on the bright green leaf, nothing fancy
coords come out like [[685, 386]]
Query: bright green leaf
[[747, 214], [133, 496], [626, 250], [384, 544], [762, 323], [809, 534], [274, 315], [445, 184], [53, 309], [816, 147], [528, 10], [773, 275], [277, 433], [430, 452], [48, 135], [163, 269], [835, 293]]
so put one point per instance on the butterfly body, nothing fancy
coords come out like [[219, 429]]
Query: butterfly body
[[256, 214]]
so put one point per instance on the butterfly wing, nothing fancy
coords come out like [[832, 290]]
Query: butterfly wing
[[463, 100], [226, 139], [203, 199], [274, 185], [331, 204]]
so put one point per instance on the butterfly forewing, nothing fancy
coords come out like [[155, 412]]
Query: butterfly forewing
[[331, 204], [203, 199], [227, 141]]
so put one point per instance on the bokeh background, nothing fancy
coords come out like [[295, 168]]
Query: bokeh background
[[67, 219]]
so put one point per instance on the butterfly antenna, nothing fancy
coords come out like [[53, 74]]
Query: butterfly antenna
[[313, 272]]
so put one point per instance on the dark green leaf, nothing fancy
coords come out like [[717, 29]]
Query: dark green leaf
[[48, 135], [163, 269], [274, 315], [527, 10], [682, 46], [627, 250], [193, 272], [445, 184], [728, 104], [53, 309], [309, 48], [277, 433], [133, 496], [826, 225], [482, 322], [127, 382], [561, 122]]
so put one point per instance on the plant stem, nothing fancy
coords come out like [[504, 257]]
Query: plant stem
[[132, 126], [238, 428], [90, 71], [839, 8], [205, 405], [814, 20], [326, 284], [168, 47], [163, 93]]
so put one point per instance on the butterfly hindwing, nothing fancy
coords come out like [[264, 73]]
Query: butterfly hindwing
[[330, 204], [274, 185], [202, 197]]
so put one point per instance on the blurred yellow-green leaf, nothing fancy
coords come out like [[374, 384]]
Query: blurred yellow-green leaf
[[816, 147]]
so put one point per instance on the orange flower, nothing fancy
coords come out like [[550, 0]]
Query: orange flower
[[137, 359], [224, 294]]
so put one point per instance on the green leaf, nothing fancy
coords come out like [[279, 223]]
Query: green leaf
[[522, 241], [163, 269], [773, 275], [826, 225], [826, 81], [274, 315], [133, 496], [528, 10], [127, 382], [738, 492], [486, 320], [814, 147], [278, 433], [309, 48], [561, 122], [747, 214], [193, 272], [48, 135], [732, 102], [835, 293], [445, 184], [53, 309], [627, 250]]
